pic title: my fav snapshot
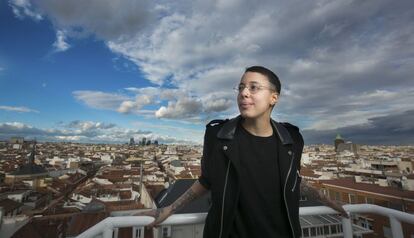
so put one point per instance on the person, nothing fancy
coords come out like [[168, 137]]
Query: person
[[251, 165]]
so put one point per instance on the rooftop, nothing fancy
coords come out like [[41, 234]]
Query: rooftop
[[350, 183]]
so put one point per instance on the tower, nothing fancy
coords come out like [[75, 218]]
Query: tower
[[338, 140]]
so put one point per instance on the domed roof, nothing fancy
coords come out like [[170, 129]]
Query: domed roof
[[30, 168], [338, 137]]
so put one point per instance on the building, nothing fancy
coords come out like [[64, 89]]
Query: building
[[338, 140], [131, 141], [348, 191], [30, 172]]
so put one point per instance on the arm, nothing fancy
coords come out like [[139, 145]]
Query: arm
[[305, 187], [199, 188], [316, 194], [161, 214]]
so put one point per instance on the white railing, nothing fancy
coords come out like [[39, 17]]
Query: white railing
[[107, 226]]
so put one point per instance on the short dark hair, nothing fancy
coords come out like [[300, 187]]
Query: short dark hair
[[272, 77]]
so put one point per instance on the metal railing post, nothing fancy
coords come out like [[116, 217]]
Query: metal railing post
[[396, 228], [116, 231], [347, 227]]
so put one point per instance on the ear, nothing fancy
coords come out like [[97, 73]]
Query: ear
[[275, 98]]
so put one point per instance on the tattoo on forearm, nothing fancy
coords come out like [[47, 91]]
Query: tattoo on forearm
[[158, 212], [186, 198], [315, 194]]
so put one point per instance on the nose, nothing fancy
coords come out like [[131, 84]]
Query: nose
[[245, 92]]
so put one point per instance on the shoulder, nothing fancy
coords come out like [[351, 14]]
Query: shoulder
[[294, 131], [216, 123], [214, 126], [211, 131], [289, 126]]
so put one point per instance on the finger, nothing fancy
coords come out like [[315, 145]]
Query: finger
[[343, 213], [346, 214]]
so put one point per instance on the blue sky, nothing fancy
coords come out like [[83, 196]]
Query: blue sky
[[105, 71]]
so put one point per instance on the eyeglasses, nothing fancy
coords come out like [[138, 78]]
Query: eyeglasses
[[253, 88]]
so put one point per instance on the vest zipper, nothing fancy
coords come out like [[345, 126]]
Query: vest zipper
[[224, 196], [296, 180], [284, 194]]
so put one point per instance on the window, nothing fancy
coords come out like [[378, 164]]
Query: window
[[352, 199], [337, 196], [369, 200], [305, 232], [326, 230], [365, 223], [396, 206], [333, 229], [166, 231], [313, 231], [387, 232], [320, 231]]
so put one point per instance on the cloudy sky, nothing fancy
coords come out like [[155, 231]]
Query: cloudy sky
[[108, 70]]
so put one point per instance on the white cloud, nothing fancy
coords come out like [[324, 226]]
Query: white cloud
[[182, 108], [70, 138], [135, 106], [86, 131], [60, 44], [88, 125], [172, 103], [331, 58], [358, 109], [17, 109], [22, 8], [100, 100], [218, 102], [106, 19], [17, 125], [126, 106]]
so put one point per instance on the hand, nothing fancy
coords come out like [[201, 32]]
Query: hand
[[160, 215], [316, 194], [334, 205]]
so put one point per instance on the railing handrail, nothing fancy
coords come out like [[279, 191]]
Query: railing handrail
[[194, 218], [360, 208]]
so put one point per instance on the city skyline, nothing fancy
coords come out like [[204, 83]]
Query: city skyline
[[107, 71]]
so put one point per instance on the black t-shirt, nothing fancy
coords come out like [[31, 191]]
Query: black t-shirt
[[261, 211]]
